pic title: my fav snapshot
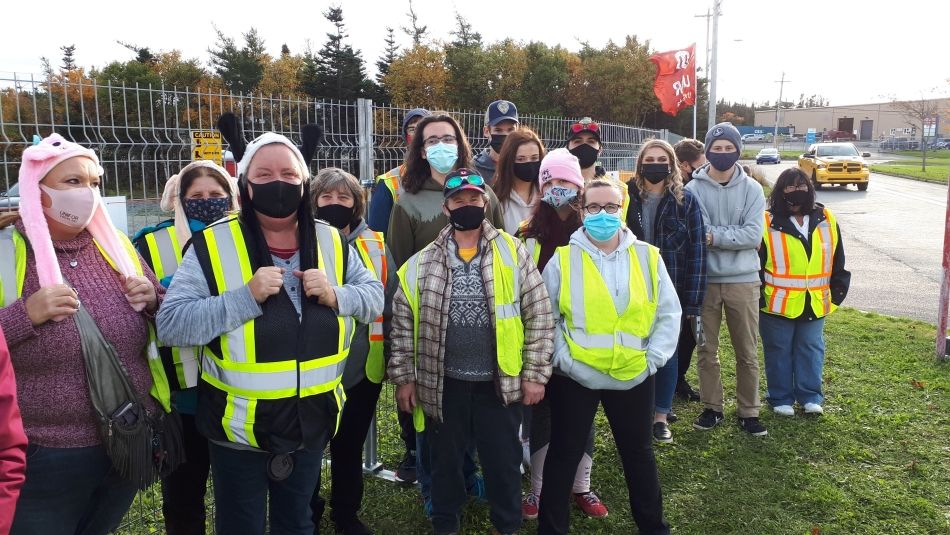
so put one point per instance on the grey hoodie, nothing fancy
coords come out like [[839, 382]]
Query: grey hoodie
[[485, 165], [615, 270], [735, 215]]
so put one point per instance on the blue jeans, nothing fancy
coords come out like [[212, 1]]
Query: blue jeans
[[72, 491], [424, 466], [794, 358], [241, 488], [666, 378]]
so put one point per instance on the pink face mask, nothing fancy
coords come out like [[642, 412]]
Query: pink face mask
[[72, 207]]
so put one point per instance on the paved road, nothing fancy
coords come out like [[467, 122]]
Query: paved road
[[893, 237]]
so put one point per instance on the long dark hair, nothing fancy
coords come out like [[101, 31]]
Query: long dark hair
[[545, 219], [790, 177], [417, 167], [505, 170]]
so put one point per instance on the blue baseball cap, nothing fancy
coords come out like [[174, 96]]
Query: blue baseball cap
[[501, 110], [413, 114]]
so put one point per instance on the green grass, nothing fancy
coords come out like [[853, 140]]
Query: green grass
[[937, 171], [749, 154], [931, 154]]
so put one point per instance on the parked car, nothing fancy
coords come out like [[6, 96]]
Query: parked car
[[10, 200], [940, 143], [838, 135], [835, 163], [900, 143], [752, 138], [768, 155]]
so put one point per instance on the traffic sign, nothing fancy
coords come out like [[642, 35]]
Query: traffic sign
[[206, 145]]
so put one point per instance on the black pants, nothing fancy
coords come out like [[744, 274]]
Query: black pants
[[346, 455], [473, 412], [630, 413], [183, 491], [407, 431], [684, 348]]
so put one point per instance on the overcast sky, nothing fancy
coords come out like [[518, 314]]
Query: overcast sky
[[849, 51]]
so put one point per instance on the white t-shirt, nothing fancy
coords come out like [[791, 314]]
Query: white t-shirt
[[803, 228]]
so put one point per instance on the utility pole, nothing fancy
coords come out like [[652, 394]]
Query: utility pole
[[778, 105], [712, 61], [707, 16]]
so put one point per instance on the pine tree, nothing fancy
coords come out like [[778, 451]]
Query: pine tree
[[390, 53], [415, 30], [241, 69], [69, 57], [468, 70], [337, 71]]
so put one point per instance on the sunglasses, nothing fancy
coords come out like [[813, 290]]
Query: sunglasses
[[580, 127], [458, 180]]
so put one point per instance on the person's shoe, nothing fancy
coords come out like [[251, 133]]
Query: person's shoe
[[708, 419], [752, 426], [671, 418], [406, 472], [590, 504], [529, 506], [686, 392], [477, 489], [662, 433], [813, 408], [784, 410], [352, 527]]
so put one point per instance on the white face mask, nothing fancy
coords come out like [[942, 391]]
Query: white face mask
[[73, 207]]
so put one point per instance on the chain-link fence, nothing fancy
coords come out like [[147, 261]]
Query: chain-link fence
[[144, 135]]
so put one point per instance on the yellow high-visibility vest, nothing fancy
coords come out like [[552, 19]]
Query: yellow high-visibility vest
[[13, 273], [509, 328], [372, 250], [534, 246], [390, 179], [790, 272], [611, 343]]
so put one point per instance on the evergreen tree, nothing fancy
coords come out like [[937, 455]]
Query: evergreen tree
[[69, 57], [337, 71], [241, 69], [415, 30], [390, 54], [467, 67]]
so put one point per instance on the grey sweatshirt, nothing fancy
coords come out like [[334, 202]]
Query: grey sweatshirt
[[614, 268], [735, 215]]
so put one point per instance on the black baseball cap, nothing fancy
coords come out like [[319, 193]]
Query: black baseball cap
[[463, 179]]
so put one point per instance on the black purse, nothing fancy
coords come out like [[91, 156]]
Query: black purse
[[142, 446]]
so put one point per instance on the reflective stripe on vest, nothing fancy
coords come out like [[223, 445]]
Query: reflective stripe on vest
[[534, 246], [372, 251], [614, 344], [390, 179], [236, 371], [165, 251], [790, 271], [12, 265]]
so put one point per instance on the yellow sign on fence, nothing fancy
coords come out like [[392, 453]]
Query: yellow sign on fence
[[206, 145]]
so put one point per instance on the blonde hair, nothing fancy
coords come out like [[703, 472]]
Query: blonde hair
[[674, 182]]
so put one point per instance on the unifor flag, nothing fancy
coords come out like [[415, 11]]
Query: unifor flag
[[675, 83]]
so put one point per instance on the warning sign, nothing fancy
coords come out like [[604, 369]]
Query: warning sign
[[206, 145]]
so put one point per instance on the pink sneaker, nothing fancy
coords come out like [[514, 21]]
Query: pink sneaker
[[529, 506], [591, 505]]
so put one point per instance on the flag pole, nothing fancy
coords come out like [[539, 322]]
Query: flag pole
[[696, 89]]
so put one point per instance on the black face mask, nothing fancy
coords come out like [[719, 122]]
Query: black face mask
[[655, 172], [799, 198], [528, 171], [467, 217], [336, 214], [497, 140], [586, 155], [277, 198]]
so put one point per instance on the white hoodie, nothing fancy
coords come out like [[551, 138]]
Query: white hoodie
[[614, 268]]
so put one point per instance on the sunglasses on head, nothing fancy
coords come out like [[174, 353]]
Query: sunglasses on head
[[580, 127], [458, 180]]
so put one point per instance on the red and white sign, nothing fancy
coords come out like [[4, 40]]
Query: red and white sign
[[675, 83]]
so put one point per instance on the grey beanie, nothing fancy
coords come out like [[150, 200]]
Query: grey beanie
[[724, 131]]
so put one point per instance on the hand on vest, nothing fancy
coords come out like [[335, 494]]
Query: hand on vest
[[316, 284], [267, 281], [140, 293], [533, 392], [406, 396], [55, 302]]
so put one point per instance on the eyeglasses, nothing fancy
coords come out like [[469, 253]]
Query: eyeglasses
[[610, 208], [432, 141], [800, 187], [582, 125], [458, 180]]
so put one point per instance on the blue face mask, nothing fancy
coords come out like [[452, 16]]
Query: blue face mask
[[602, 226], [442, 157]]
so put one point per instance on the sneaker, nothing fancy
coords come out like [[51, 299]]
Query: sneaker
[[783, 410], [708, 419], [477, 489], [686, 392], [752, 426], [529, 506], [662, 433], [352, 527], [406, 473], [813, 408], [591, 505]]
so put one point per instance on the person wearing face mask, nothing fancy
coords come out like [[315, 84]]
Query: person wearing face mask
[[664, 215], [690, 155], [501, 120], [200, 194], [388, 188], [471, 339], [803, 280], [337, 198], [617, 320], [516, 178], [554, 221], [272, 297], [59, 253], [733, 205]]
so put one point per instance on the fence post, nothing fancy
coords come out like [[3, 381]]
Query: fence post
[[364, 116]]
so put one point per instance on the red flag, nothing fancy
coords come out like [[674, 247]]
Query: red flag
[[675, 83]]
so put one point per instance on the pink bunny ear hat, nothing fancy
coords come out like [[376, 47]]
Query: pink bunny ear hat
[[38, 160]]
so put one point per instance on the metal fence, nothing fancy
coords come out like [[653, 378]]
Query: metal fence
[[143, 136]]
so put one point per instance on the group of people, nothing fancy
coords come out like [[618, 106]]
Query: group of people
[[480, 285]]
